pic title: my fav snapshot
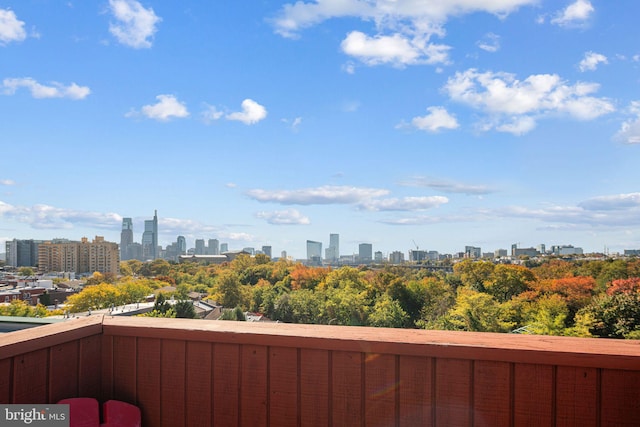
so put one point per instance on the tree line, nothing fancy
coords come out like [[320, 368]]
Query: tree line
[[598, 298]]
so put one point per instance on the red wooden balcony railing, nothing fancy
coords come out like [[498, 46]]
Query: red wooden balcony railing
[[199, 373]]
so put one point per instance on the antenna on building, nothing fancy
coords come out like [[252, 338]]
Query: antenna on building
[[416, 245]]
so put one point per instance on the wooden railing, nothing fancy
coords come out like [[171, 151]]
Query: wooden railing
[[198, 373]]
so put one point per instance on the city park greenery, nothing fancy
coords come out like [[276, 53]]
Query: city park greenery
[[599, 298]]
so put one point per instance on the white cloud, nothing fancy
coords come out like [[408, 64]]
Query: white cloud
[[574, 14], [251, 113], [324, 195], [135, 25], [629, 132], [403, 28], [437, 119], [514, 105], [591, 60], [55, 90], [11, 28], [490, 42], [403, 204], [50, 217], [286, 217], [397, 50], [612, 202], [211, 114], [7, 182], [165, 109], [447, 186]]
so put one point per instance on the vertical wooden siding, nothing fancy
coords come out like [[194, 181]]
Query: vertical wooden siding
[[236, 378], [48, 363], [188, 373]]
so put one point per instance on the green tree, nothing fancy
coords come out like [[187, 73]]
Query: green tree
[[547, 315], [508, 281], [477, 312], [185, 309], [474, 274], [611, 316], [388, 313], [228, 288], [26, 271]]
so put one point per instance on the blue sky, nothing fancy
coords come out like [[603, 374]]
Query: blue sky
[[447, 123]]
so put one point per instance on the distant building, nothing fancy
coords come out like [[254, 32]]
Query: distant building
[[250, 251], [500, 253], [417, 255], [517, 252], [200, 250], [332, 254], [566, 250], [150, 238], [365, 252], [396, 257], [213, 248], [632, 252], [378, 257], [224, 247], [267, 251], [82, 257], [472, 252], [182, 245], [314, 252], [126, 239], [22, 253]]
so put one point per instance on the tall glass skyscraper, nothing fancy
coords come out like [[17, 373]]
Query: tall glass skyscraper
[[126, 239], [150, 238]]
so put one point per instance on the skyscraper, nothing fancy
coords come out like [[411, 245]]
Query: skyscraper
[[214, 247], [365, 252], [314, 252], [200, 247], [150, 238], [333, 251], [267, 251], [182, 245], [126, 239]]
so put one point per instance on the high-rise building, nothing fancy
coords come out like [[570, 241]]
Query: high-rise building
[[200, 247], [267, 251], [365, 252], [396, 257], [182, 245], [22, 253], [79, 257], [314, 252], [224, 247], [214, 247], [332, 254], [126, 239], [472, 252], [150, 238]]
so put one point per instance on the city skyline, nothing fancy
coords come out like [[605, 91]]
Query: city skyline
[[448, 124]]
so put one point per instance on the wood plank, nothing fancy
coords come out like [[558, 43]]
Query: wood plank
[[63, 371], [380, 388], [533, 395], [124, 369], [491, 394], [90, 367], [576, 396], [620, 397], [148, 380], [254, 386], [106, 383], [30, 371], [346, 393], [283, 386], [199, 384], [314, 388], [172, 383], [516, 348], [226, 384], [416, 394], [454, 384], [5, 380]]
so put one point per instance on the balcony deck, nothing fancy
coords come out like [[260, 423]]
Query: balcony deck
[[197, 373]]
